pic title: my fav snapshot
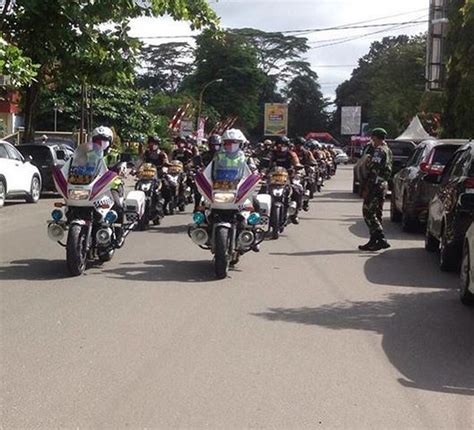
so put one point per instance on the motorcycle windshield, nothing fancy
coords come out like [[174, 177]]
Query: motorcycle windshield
[[85, 166]]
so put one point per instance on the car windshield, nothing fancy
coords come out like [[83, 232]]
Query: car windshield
[[401, 149], [85, 161], [443, 153], [40, 154]]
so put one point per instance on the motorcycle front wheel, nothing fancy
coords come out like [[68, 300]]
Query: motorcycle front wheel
[[76, 250], [275, 222], [221, 259]]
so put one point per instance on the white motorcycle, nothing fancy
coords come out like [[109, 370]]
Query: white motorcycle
[[87, 217], [228, 225]]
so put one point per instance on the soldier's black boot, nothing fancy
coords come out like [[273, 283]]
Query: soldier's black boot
[[370, 245], [382, 242]]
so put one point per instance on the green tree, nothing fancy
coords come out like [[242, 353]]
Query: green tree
[[232, 59], [125, 109], [166, 66], [70, 40], [388, 83], [459, 109], [14, 64], [307, 106]]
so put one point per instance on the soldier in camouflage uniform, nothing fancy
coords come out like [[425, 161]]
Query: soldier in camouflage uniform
[[380, 170]]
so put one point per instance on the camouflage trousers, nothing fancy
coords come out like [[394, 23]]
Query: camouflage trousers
[[373, 208]]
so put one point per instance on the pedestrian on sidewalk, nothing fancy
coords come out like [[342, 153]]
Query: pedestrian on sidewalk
[[379, 172]]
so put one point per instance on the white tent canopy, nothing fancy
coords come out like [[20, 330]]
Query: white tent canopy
[[414, 131]]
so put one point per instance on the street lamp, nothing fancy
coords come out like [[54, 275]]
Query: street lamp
[[202, 93]]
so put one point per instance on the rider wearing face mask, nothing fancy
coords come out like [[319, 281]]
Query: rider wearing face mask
[[154, 154], [182, 152], [282, 156]]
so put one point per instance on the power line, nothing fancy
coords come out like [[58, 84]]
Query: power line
[[361, 36]]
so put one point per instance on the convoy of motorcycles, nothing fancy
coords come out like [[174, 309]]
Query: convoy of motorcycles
[[236, 207]]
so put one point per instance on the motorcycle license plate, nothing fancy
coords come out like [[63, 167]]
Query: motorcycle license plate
[[223, 185]]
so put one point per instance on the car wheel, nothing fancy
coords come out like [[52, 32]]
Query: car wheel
[[447, 262], [465, 295], [431, 243], [35, 190], [3, 192], [408, 223], [395, 214], [355, 187]]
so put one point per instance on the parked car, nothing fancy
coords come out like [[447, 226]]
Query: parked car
[[466, 291], [341, 156], [45, 156], [451, 210], [401, 150], [411, 195], [18, 177]]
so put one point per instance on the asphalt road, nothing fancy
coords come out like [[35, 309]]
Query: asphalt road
[[308, 333]]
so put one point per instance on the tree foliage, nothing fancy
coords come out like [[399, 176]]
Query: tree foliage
[[125, 109], [87, 40], [388, 83], [14, 64], [307, 106], [459, 112], [166, 66], [233, 60]]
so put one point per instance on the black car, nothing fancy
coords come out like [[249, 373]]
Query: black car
[[45, 157], [411, 194], [451, 210]]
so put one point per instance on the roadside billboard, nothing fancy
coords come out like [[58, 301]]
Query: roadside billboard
[[351, 120], [276, 119]]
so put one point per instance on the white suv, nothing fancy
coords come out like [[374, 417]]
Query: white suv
[[18, 177]]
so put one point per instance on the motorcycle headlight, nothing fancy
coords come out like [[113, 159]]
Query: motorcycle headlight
[[145, 186], [79, 194], [224, 197]]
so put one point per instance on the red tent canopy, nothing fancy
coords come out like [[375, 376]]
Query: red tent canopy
[[322, 137]]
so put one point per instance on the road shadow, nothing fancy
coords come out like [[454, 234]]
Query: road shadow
[[320, 252], [426, 336], [408, 267], [34, 270], [165, 271], [169, 229], [359, 228]]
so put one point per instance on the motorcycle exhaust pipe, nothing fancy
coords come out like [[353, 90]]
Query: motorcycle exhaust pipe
[[103, 236], [55, 232], [246, 239], [199, 236]]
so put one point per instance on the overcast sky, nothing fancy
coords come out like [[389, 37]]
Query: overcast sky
[[284, 15]]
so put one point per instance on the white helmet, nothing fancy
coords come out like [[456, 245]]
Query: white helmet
[[232, 140], [102, 135]]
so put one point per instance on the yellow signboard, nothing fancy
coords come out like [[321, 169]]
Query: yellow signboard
[[276, 119]]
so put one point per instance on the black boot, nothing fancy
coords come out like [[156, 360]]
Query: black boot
[[370, 245], [382, 242]]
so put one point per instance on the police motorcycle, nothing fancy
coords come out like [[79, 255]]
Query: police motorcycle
[[150, 184], [227, 224], [175, 189], [91, 217]]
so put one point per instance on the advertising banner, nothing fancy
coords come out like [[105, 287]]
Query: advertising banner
[[276, 119], [200, 130], [350, 120], [186, 127]]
